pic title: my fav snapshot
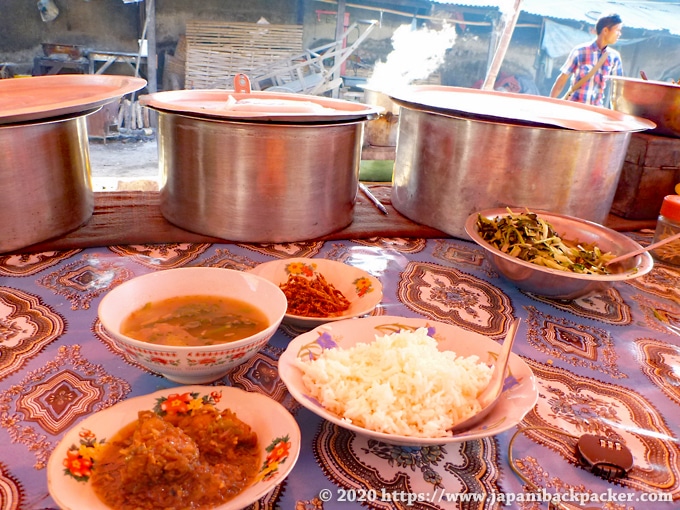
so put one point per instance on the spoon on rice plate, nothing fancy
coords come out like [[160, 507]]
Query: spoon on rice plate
[[490, 395]]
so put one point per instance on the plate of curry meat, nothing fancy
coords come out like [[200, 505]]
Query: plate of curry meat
[[214, 447], [322, 290]]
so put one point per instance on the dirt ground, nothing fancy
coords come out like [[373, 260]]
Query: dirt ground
[[124, 163]]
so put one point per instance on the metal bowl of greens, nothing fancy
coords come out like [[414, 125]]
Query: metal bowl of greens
[[554, 255]]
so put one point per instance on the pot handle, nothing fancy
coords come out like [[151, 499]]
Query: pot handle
[[242, 83]]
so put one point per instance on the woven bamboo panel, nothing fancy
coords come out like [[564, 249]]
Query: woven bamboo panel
[[174, 65], [181, 48], [216, 51]]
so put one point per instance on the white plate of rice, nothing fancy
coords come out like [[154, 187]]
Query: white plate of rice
[[403, 380]]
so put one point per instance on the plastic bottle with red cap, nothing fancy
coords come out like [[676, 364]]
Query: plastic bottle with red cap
[[668, 224]]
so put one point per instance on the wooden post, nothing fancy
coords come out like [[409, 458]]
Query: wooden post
[[493, 40], [339, 31], [151, 57], [498, 57]]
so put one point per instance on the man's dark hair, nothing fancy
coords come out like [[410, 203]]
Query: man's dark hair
[[607, 21]]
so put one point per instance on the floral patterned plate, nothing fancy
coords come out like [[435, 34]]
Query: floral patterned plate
[[520, 392], [74, 459], [363, 290]]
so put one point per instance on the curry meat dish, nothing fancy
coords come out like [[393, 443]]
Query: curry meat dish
[[191, 461]]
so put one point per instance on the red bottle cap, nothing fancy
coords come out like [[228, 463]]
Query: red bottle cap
[[670, 208]]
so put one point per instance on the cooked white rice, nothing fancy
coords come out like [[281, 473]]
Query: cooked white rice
[[399, 384]]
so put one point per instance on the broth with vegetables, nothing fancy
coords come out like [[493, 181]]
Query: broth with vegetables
[[194, 321]]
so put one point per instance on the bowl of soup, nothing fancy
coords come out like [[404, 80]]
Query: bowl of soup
[[192, 325]]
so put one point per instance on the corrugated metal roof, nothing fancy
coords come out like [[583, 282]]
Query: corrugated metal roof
[[656, 16]]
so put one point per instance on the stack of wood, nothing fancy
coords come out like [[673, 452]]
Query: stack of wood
[[132, 116]]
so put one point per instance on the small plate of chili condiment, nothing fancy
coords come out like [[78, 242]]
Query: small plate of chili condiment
[[322, 290]]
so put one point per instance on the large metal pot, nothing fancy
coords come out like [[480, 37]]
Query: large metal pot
[[382, 131], [255, 181], [45, 183], [654, 100], [450, 164]]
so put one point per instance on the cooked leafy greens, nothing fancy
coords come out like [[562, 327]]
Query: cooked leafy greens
[[530, 238]]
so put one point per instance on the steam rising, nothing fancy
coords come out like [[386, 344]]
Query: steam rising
[[416, 55], [507, 7]]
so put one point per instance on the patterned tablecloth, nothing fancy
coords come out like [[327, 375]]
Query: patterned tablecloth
[[605, 365]]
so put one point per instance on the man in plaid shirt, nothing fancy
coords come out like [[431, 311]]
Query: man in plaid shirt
[[582, 59]]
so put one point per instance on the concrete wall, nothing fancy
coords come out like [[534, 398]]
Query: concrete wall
[[172, 15], [100, 24], [113, 25]]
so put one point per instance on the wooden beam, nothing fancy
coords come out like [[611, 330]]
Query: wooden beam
[[152, 57], [502, 48], [339, 32], [409, 15]]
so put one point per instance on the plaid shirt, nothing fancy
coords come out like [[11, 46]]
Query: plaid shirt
[[580, 61]]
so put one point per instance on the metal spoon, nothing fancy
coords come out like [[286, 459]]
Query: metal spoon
[[642, 250], [373, 198], [490, 395]]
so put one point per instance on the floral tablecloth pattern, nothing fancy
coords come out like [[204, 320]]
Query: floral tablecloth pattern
[[606, 365]]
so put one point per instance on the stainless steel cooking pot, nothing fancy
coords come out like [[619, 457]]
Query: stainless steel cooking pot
[[382, 131], [45, 183], [451, 162], [654, 100], [258, 182], [259, 166]]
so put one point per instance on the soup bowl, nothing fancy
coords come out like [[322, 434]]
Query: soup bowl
[[191, 364]]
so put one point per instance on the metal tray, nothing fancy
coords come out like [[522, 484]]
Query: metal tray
[[42, 97], [524, 109], [290, 108]]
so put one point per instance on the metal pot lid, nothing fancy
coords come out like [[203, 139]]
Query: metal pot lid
[[522, 109], [42, 97], [671, 87], [262, 106]]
